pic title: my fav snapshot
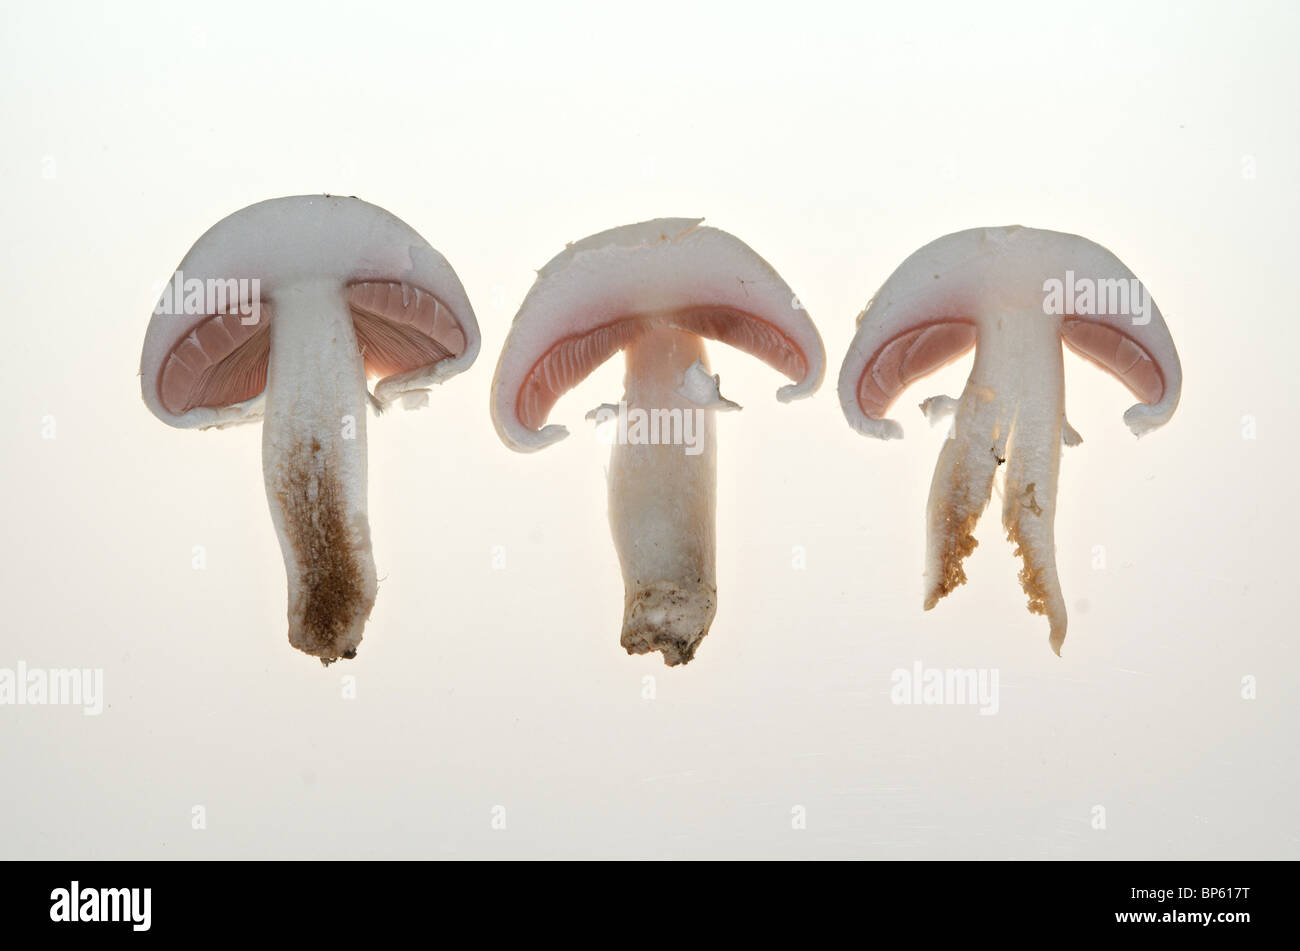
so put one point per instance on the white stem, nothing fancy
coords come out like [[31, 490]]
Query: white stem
[[1011, 411], [314, 464], [662, 503]]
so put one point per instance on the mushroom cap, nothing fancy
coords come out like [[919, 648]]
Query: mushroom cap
[[601, 293], [411, 314], [932, 308]]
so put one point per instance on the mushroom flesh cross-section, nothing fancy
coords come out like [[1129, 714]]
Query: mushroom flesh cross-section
[[1015, 295], [654, 290], [284, 309]]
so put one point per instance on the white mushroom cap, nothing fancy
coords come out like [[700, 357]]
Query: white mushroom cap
[[932, 308], [603, 292], [414, 322]]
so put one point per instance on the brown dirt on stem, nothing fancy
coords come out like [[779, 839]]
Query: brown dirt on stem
[[332, 597]]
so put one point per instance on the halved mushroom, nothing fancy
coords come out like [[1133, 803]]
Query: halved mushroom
[[1015, 294], [290, 304], [654, 289]]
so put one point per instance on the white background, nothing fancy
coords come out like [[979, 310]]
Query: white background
[[835, 139]]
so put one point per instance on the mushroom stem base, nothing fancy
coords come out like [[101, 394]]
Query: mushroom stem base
[[670, 618]]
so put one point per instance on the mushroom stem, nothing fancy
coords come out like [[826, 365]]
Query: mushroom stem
[[314, 464], [662, 502], [1011, 411]]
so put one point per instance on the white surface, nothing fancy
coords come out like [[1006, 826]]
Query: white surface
[[834, 140]]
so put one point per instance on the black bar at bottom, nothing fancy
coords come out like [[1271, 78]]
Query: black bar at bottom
[[332, 901]]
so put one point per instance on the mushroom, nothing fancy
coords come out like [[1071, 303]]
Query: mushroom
[[1015, 294], [284, 309], [654, 289]]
